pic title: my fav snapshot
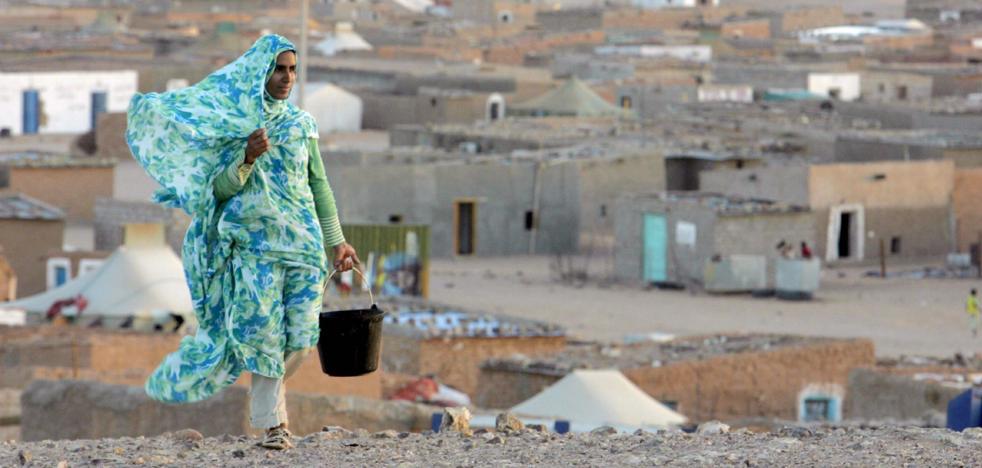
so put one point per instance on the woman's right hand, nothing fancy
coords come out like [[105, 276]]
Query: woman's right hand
[[256, 146]]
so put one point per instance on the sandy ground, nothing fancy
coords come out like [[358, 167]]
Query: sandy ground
[[902, 316], [889, 446]]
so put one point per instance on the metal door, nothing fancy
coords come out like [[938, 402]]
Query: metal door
[[655, 236]]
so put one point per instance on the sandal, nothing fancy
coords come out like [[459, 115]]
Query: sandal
[[277, 438]]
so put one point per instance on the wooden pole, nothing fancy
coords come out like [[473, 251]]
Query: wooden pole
[[883, 258], [978, 255]]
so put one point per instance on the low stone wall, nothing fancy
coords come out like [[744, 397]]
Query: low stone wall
[[877, 395], [77, 409]]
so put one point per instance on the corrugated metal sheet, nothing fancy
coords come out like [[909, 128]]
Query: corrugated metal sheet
[[396, 258]]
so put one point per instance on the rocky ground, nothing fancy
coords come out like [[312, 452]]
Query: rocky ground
[[885, 446]]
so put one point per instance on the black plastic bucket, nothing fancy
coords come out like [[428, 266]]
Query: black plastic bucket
[[350, 341]]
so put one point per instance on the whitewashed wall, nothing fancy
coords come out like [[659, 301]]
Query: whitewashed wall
[[846, 83], [66, 97]]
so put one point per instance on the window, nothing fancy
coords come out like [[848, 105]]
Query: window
[[529, 220], [902, 92], [395, 219], [59, 271], [878, 177], [603, 211], [626, 102], [817, 409], [895, 245], [88, 264], [433, 102], [834, 93]]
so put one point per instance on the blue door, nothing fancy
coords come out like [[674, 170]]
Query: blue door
[[98, 106], [655, 234], [32, 112]]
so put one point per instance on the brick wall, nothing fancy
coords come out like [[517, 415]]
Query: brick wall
[[457, 361], [73, 189], [760, 384], [728, 387], [502, 389], [92, 410], [747, 29], [25, 242], [966, 200], [129, 357], [878, 395]]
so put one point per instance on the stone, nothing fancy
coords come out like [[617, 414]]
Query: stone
[[796, 432], [604, 431], [537, 427], [187, 435], [24, 457], [712, 427], [496, 440], [386, 434], [507, 422], [333, 433], [62, 464], [457, 420], [238, 453]]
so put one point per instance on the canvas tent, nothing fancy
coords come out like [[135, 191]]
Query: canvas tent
[[572, 99], [143, 284], [593, 398]]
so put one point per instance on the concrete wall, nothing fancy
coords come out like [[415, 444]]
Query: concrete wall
[[601, 183], [25, 242], [760, 234], [91, 410], [112, 215], [73, 189], [883, 86], [502, 194], [684, 264], [859, 149], [787, 184], [876, 395]]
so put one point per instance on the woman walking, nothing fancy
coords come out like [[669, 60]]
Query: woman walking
[[244, 164]]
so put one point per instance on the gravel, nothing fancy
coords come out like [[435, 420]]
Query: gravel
[[893, 446]]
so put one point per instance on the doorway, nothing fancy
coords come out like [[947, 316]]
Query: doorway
[[465, 227], [845, 233]]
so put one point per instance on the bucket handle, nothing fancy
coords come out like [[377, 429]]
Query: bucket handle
[[363, 278]]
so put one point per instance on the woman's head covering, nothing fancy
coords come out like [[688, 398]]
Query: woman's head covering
[[183, 138]]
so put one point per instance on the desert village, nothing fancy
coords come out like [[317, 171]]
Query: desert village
[[631, 214]]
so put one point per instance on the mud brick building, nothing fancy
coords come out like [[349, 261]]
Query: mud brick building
[[725, 377]]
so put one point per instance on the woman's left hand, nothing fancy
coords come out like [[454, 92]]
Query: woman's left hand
[[345, 257]]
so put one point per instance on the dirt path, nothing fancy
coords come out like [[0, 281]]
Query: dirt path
[[902, 316]]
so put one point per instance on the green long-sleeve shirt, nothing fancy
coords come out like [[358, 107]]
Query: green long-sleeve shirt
[[231, 181]]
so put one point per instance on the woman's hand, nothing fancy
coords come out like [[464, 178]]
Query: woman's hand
[[345, 257], [256, 146]]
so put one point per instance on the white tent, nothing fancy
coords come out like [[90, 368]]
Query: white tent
[[344, 38], [593, 398], [146, 283], [334, 109]]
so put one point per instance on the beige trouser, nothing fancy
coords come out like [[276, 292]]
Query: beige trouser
[[267, 402]]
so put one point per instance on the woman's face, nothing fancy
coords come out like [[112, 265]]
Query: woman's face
[[283, 77]]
